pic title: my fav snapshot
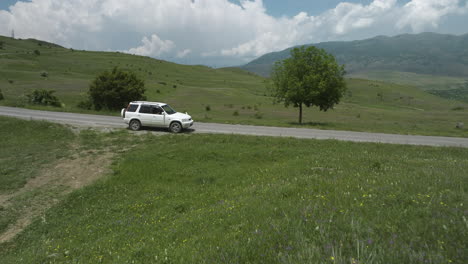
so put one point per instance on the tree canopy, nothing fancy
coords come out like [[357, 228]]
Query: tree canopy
[[115, 89], [310, 77]]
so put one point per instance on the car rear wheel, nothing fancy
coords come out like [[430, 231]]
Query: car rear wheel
[[135, 125], [175, 127]]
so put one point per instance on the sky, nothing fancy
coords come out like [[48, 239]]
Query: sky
[[222, 32]]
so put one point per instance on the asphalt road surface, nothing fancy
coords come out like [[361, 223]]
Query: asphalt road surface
[[117, 122]]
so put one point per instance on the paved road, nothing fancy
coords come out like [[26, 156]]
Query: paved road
[[116, 122]]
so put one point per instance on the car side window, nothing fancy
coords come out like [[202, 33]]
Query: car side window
[[132, 108], [157, 110], [145, 109]]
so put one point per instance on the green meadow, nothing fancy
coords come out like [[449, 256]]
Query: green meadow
[[22, 155], [449, 87], [423, 81], [240, 199], [229, 95]]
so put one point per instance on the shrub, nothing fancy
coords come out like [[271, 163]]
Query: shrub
[[207, 108], [1, 44], [11, 81], [44, 74], [236, 113], [37, 52], [258, 115], [113, 90], [458, 108], [380, 96], [1, 95], [86, 104], [43, 97]]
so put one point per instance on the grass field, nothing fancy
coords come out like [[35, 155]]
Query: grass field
[[39, 164], [23, 154], [422, 81], [239, 199], [453, 88], [227, 95]]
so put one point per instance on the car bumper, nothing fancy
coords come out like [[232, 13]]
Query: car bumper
[[187, 124]]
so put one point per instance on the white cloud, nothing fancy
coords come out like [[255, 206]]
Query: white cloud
[[301, 29], [347, 17], [209, 31], [183, 53], [422, 15], [153, 47]]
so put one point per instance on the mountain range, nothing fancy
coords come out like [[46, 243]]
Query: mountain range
[[424, 53]]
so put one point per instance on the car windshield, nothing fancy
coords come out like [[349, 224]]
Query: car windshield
[[168, 110]]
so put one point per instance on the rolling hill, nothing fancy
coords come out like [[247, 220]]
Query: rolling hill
[[425, 53], [228, 95]]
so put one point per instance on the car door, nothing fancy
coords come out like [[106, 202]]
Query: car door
[[158, 116], [145, 115]]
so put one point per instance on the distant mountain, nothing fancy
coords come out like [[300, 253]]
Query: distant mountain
[[425, 53]]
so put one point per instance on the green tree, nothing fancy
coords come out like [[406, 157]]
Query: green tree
[[310, 77], [115, 89]]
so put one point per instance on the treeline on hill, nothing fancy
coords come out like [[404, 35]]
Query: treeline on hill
[[460, 93]]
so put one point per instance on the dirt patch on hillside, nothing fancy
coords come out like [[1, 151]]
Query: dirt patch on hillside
[[51, 185]]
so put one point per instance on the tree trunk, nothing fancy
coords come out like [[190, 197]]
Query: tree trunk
[[300, 113]]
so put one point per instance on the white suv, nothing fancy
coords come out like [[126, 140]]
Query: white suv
[[153, 114]]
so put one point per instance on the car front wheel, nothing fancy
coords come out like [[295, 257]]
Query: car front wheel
[[175, 127], [135, 125]]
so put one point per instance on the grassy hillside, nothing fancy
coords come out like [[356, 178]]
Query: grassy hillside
[[70, 73], [239, 199], [226, 95], [424, 82], [425, 53], [455, 88]]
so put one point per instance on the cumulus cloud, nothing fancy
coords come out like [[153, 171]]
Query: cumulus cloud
[[302, 28], [422, 15], [153, 47], [184, 53], [214, 31]]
